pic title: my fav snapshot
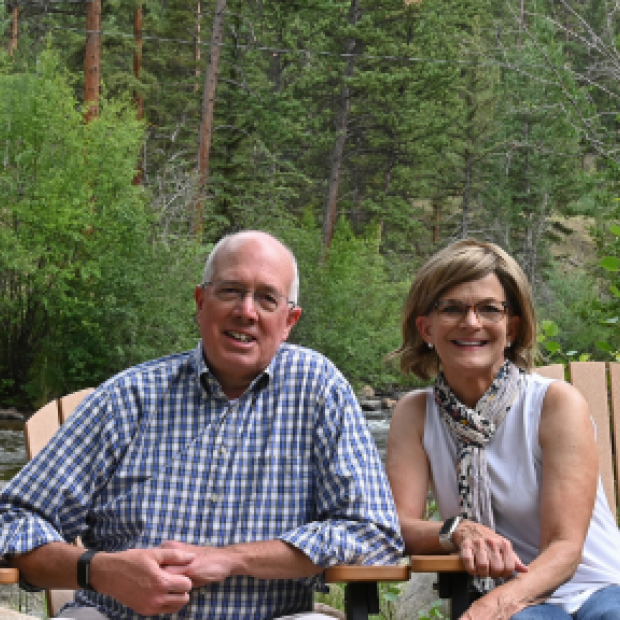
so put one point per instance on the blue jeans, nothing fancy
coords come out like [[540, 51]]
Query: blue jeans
[[602, 605]]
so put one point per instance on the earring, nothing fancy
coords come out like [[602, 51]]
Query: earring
[[508, 344], [429, 345]]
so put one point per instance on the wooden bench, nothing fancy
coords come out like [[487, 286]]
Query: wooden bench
[[599, 382], [361, 593]]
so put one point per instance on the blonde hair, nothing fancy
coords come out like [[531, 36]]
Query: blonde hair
[[465, 261]]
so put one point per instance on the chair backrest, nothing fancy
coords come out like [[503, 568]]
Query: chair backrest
[[599, 382], [41, 426], [38, 430]]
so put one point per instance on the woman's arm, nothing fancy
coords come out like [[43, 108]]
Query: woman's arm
[[569, 481], [483, 551], [408, 472]]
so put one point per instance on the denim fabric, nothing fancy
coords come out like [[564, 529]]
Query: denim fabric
[[604, 604]]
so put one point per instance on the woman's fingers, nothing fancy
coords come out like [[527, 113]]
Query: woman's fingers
[[486, 554]]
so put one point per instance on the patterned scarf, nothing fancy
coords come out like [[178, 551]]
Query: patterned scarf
[[472, 429]]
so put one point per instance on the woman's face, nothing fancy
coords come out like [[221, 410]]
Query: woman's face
[[471, 346]]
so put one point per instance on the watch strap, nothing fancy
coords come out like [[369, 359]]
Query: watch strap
[[83, 570]]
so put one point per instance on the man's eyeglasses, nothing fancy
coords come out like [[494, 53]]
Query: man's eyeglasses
[[231, 293], [451, 311]]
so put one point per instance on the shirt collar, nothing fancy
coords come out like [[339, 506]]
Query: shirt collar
[[212, 386]]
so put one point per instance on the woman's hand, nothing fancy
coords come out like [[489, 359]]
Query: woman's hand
[[485, 553], [492, 606]]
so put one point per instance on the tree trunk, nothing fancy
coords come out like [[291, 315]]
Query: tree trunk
[[92, 61], [13, 39], [208, 105], [197, 43], [137, 57], [137, 67], [330, 210], [466, 199], [436, 217]]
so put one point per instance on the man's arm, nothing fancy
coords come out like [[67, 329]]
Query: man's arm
[[47, 503], [270, 559], [356, 520], [136, 578]]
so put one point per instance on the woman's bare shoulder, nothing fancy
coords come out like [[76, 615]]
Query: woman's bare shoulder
[[410, 412], [563, 399], [564, 414]]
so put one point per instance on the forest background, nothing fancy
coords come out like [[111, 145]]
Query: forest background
[[366, 135]]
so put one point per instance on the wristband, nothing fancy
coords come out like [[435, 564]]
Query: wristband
[[83, 570]]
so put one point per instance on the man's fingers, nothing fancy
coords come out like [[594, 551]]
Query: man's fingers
[[177, 583], [175, 569], [169, 556]]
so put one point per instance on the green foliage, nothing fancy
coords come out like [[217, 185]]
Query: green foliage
[[351, 312], [79, 280], [433, 612], [611, 266], [389, 595], [448, 134]]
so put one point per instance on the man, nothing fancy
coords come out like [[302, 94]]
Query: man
[[216, 483]]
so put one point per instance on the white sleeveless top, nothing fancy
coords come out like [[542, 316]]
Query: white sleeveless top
[[515, 472]]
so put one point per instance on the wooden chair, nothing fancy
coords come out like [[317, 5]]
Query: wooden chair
[[361, 592], [599, 382]]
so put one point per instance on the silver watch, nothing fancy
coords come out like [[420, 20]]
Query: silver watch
[[447, 531]]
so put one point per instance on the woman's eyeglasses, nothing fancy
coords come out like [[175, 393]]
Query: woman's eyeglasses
[[451, 311]]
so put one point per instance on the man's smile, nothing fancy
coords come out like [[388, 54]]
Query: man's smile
[[240, 337]]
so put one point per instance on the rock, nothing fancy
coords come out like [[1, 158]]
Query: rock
[[388, 403], [11, 414], [367, 392], [30, 604], [328, 611], [9, 614], [419, 595], [370, 405]]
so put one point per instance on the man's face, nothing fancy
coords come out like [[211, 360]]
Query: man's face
[[240, 338]]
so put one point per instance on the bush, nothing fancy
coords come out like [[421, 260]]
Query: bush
[[351, 311], [83, 291]]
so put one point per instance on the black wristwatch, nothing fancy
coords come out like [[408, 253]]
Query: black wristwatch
[[447, 531], [83, 570]]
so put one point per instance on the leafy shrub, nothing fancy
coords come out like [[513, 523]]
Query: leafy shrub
[[351, 311], [83, 291]]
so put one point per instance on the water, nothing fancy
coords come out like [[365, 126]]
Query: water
[[13, 450], [379, 424]]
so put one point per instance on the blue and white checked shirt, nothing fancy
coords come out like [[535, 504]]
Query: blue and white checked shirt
[[159, 453]]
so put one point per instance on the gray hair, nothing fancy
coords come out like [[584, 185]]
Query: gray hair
[[209, 269]]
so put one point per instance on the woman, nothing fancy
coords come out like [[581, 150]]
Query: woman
[[510, 456]]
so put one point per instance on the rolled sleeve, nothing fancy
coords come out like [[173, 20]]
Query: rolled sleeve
[[356, 520], [48, 501]]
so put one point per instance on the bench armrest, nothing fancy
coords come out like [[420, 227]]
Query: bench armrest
[[451, 563], [8, 574], [348, 573]]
